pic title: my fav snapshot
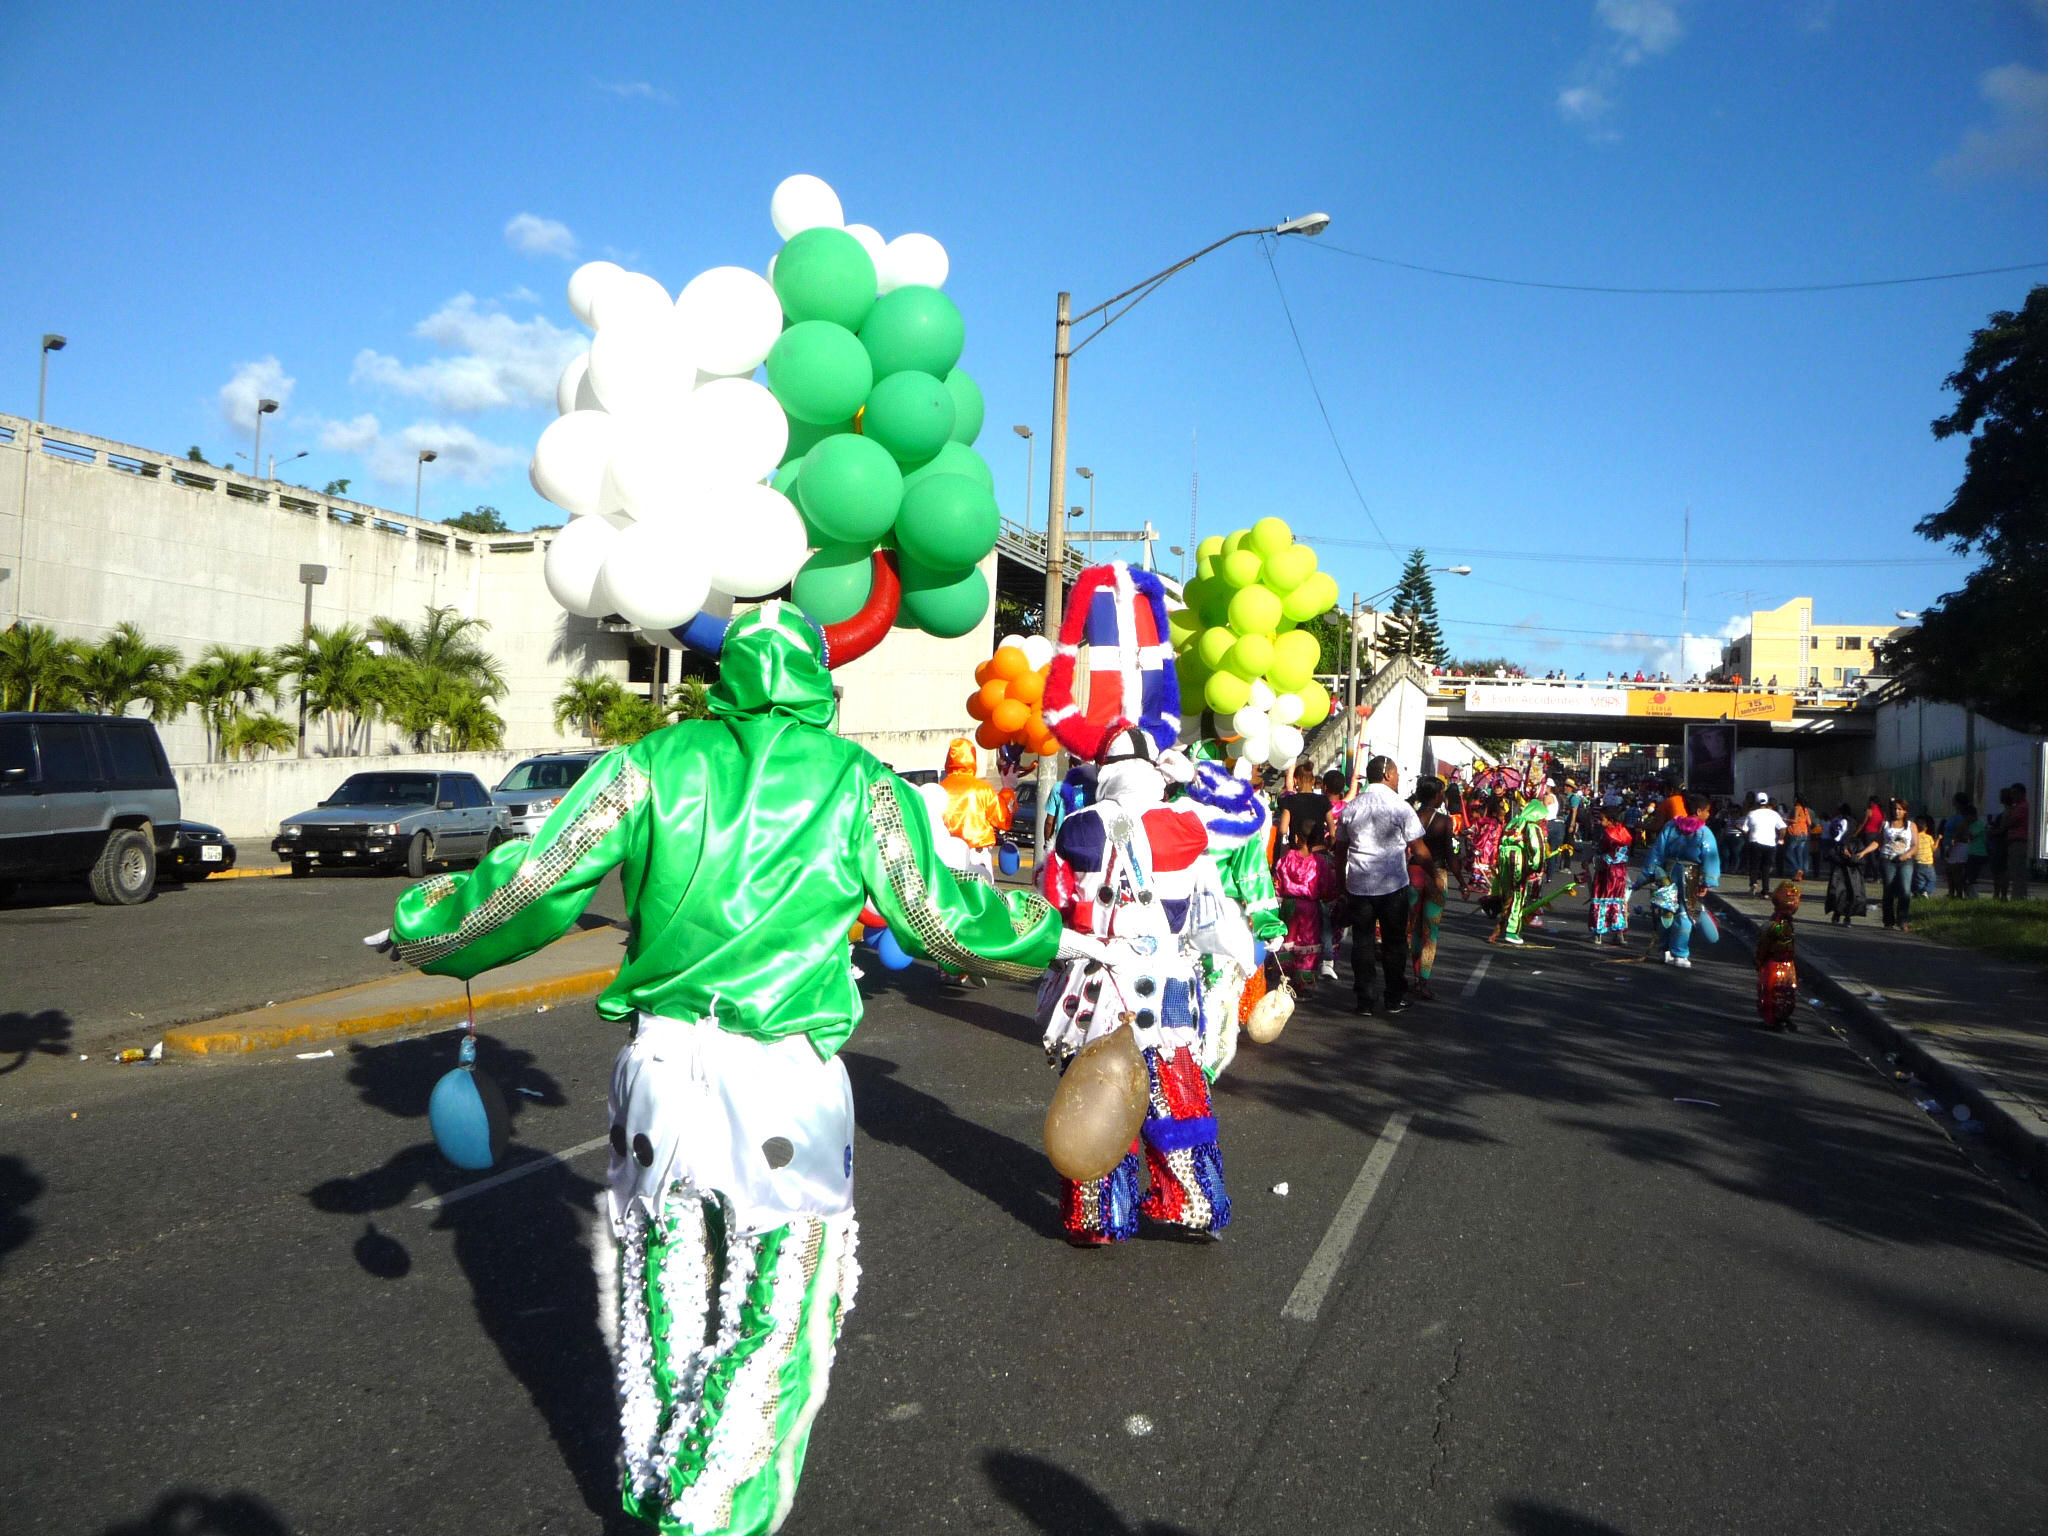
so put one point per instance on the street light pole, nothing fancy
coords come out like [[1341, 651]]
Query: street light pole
[[419, 469], [1089, 475], [1063, 350], [263, 408], [1030, 450], [310, 576], [52, 342]]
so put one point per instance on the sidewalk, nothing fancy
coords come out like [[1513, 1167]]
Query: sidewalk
[[1974, 1029], [569, 970]]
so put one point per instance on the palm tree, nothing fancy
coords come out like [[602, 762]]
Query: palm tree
[[585, 701], [124, 668], [433, 668], [225, 681], [689, 698], [471, 724], [38, 669], [630, 718], [245, 735], [341, 678]]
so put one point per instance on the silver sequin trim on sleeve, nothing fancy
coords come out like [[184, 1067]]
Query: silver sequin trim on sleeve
[[899, 868], [599, 817]]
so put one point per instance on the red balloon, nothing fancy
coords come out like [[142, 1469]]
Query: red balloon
[[853, 638]]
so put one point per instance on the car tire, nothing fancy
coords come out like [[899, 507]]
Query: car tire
[[125, 872], [302, 869], [419, 853]]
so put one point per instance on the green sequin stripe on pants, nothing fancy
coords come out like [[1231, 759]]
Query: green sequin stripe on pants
[[726, 1343]]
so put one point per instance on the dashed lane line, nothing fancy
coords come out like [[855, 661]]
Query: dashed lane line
[[1306, 1300]]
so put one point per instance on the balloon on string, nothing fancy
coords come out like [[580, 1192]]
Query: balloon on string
[[1287, 709], [947, 523], [655, 575], [820, 372], [1294, 660], [1287, 742], [943, 603], [1250, 657], [889, 951], [730, 318], [1098, 1107], [850, 488], [1315, 705], [755, 543], [647, 480], [642, 367], [834, 582], [913, 261], [1267, 537], [1254, 611], [569, 461], [1210, 548], [467, 1114], [630, 301], [1226, 692], [1318, 594], [969, 409], [803, 202], [1288, 567], [1240, 569], [871, 241], [584, 284], [825, 274], [574, 563], [916, 327], [910, 414], [730, 429], [953, 459], [804, 436], [573, 379]]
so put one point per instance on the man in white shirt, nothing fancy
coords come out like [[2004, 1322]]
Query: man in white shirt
[[1378, 834], [1762, 830]]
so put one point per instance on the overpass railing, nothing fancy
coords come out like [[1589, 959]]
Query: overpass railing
[[1454, 684]]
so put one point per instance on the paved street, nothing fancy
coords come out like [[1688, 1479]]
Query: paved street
[[85, 978], [1575, 1303]]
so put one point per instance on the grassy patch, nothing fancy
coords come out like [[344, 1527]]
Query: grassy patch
[[2016, 930]]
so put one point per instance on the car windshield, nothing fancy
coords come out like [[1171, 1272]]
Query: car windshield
[[385, 789], [544, 773]]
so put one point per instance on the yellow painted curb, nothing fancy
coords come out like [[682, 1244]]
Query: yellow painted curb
[[356, 1011], [266, 872]]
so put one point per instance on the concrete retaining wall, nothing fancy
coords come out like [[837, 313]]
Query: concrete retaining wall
[[247, 800]]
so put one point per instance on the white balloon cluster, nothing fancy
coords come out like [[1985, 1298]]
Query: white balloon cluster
[[1265, 727], [1036, 648], [665, 441]]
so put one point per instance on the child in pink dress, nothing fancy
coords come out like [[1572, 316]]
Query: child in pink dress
[[1306, 877]]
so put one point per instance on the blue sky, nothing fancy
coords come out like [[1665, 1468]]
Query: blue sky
[[370, 212]]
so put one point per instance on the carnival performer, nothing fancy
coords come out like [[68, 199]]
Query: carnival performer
[[1521, 858], [1777, 973], [1306, 878], [1235, 814], [1129, 868], [1683, 860], [747, 842], [1607, 879], [1430, 882], [974, 811], [1484, 820]]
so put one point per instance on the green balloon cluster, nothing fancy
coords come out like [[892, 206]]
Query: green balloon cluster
[[882, 424], [1238, 646]]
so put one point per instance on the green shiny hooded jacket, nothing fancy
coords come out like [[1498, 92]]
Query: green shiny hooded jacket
[[747, 844]]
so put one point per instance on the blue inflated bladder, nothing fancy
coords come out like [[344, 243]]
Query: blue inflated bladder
[[887, 950], [467, 1113], [1006, 858], [703, 633]]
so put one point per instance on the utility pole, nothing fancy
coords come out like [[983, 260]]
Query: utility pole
[[1055, 540]]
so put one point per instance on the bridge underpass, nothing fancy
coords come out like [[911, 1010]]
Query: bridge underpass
[[1637, 715]]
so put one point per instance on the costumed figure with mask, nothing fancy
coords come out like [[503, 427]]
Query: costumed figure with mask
[[974, 812], [1777, 971], [1607, 878], [1518, 868], [1130, 869], [1236, 816], [1683, 861], [746, 842]]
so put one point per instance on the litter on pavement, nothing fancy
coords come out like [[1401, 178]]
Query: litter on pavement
[[1280, 1188], [1707, 1103], [315, 1055]]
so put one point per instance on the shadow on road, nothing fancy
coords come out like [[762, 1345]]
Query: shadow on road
[[1526, 1517], [1003, 1010], [188, 1512], [1014, 1177], [1055, 1500], [524, 1249], [19, 1189], [22, 1035]]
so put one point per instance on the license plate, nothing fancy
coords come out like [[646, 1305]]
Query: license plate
[[209, 853]]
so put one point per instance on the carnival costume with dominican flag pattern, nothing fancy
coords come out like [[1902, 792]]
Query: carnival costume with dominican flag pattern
[[1131, 869], [747, 843]]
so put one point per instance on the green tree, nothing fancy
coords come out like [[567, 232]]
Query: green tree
[[126, 668], [194, 456], [689, 698], [248, 736], [223, 683], [38, 669], [630, 718], [433, 668], [469, 724], [342, 680], [1421, 633], [478, 520], [335, 488], [1979, 644], [585, 701]]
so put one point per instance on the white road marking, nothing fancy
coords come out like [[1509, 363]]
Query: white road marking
[[1306, 1300], [1478, 975], [510, 1174]]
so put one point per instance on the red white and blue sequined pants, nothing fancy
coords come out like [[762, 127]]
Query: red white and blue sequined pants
[[1181, 1157]]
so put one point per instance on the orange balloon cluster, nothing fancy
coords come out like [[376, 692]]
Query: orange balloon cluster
[[1009, 703]]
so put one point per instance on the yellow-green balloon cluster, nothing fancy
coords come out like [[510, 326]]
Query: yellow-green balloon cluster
[[1238, 644]]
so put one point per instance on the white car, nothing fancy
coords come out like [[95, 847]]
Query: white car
[[535, 787]]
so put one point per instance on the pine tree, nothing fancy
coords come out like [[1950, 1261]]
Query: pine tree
[[1421, 635]]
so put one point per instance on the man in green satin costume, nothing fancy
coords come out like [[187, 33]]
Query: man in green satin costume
[[747, 844], [1524, 849]]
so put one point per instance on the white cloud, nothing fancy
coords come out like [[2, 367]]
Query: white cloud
[[533, 235], [1667, 653], [391, 458], [499, 361], [2017, 143], [263, 379], [636, 90], [1632, 31]]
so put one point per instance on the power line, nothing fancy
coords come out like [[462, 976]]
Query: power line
[[1266, 250], [1523, 282], [1553, 557]]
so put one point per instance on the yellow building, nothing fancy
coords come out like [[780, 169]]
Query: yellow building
[[1785, 645]]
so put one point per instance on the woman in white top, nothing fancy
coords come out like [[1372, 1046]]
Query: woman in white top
[[1895, 855]]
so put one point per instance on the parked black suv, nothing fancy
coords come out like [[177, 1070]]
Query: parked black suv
[[85, 795]]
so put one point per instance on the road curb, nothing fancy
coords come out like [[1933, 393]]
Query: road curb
[[263, 873], [2012, 1124], [358, 1010]]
